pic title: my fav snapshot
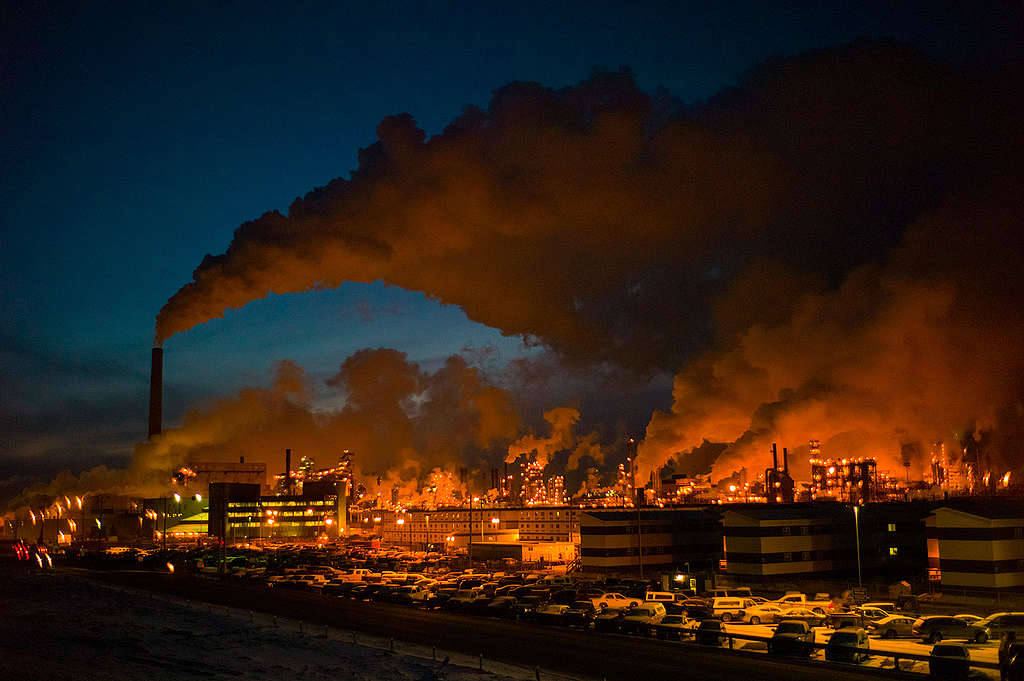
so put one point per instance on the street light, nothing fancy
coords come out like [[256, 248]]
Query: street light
[[856, 529]]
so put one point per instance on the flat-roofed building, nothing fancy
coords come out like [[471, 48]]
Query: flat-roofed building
[[617, 541], [977, 544], [792, 539]]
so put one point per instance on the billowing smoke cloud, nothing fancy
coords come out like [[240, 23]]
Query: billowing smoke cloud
[[599, 219], [823, 248], [561, 420], [400, 421], [920, 349]]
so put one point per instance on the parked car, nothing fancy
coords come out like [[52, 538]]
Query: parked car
[[847, 645], [839, 620], [615, 601], [580, 614], [872, 614], [463, 598], [940, 627], [970, 619], [811, 617], [995, 625], [950, 661], [608, 620], [502, 606], [638, 620], [888, 606], [728, 608], [763, 614], [791, 637], [671, 627], [526, 608], [711, 632], [696, 609], [731, 592], [551, 613], [892, 626]]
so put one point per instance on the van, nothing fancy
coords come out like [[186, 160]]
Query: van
[[732, 592], [659, 597], [728, 608]]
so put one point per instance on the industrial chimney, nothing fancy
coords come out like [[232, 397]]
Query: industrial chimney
[[156, 393], [288, 471]]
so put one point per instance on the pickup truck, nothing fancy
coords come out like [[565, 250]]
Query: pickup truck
[[358, 575], [802, 600]]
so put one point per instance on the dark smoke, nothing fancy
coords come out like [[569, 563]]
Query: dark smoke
[[828, 249]]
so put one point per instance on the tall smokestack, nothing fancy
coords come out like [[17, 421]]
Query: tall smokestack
[[785, 461], [156, 392], [775, 457], [288, 470]]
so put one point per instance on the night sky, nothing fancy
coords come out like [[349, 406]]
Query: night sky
[[138, 136]]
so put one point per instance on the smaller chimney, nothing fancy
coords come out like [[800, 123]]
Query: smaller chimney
[[241, 459], [785, 462], [775, 457]]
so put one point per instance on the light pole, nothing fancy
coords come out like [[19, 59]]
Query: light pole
[[856, 530]]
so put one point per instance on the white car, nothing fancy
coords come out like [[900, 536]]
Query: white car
[[614, 601], [760, 614]]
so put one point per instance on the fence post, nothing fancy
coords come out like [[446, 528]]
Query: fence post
[[433, 653], [536, 673], [391, 644], [481, 661]]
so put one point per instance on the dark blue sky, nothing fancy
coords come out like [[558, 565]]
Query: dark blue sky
[[138, 136]]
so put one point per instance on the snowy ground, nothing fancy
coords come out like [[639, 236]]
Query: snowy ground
[[62, 626]]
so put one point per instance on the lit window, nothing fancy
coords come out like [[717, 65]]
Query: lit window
[[892, 527], [893, 550]]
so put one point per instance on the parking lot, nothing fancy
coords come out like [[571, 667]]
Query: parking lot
[[530, 598]]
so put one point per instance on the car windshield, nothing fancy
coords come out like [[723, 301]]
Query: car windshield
[[844, 638], [790, 628], [673, 619]]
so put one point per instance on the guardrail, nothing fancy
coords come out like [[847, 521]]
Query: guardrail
[[871, 652]]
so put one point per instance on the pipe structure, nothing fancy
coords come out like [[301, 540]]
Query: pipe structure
[[156, 392]]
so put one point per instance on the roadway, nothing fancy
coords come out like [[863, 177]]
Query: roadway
[[562, 650]]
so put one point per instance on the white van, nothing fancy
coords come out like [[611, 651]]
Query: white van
[[659, 597], [729, 609]]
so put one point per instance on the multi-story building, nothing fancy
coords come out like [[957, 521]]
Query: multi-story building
[[792, 539], [977, 545], [620, 541]]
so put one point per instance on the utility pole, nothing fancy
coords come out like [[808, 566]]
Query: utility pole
[[165, 524], [636, 499], [470, 547]]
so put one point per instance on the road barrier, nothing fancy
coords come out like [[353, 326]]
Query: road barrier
[[810, 647]]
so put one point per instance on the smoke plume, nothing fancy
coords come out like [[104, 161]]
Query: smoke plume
[[826, 250]]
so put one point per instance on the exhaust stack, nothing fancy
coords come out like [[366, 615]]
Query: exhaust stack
[[156, 393], [288, 471]]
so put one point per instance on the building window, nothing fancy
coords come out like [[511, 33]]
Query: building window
[[787, 531], [893, 550], [1018, 532], [806, 555], [787, 557], [805, 530], [892, 527]]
